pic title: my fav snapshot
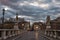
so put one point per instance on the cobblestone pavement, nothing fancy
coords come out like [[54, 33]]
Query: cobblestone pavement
[[31, 35]]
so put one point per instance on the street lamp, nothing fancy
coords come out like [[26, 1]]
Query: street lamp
[[22, 24], [36, 27], [3, 18]]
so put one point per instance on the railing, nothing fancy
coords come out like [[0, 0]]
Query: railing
[[5, 33], [53, 33]]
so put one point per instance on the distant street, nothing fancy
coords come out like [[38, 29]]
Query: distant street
[[31, 35]]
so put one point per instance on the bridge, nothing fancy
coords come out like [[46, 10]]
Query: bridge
[[18, 34], [13, 34], [5, 33]]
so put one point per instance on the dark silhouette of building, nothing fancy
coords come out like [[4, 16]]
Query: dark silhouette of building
[[55, 24], [38, 26]]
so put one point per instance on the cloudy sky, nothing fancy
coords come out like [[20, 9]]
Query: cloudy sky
[[33, 10]]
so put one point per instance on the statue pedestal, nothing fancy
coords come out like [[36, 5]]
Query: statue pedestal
[[16, 26]]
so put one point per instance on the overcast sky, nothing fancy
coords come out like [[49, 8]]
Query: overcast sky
[[33, 10]]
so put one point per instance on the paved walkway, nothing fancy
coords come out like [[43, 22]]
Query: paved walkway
[[31, 35]]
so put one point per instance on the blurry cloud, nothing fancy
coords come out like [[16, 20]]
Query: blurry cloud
[[33, 10], [23, 16], [57, 15]]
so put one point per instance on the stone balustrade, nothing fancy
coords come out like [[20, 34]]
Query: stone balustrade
[[53, 33], [5, 33]]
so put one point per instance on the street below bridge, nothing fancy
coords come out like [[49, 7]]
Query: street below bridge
[[31, 35]]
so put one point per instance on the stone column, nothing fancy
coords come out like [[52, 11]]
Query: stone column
[[4, 34], [13, 33], [48, 33], [55, 34], [45, 32], [18, 31], [51, 34], [9, 33]]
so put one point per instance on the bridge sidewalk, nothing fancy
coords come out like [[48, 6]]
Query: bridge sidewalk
[[13, 37]]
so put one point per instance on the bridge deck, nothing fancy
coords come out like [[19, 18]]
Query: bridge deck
[[31, 35]]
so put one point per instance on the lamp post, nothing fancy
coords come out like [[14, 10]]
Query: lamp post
[[3, 18]]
